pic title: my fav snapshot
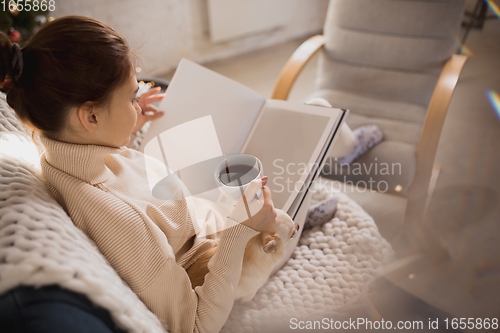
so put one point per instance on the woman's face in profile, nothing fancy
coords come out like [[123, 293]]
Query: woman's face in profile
[[120, 115]]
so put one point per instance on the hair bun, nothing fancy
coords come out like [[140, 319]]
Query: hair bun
[[11, 61], [17, 62]]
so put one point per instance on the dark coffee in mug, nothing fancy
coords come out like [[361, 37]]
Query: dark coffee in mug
[[239, 174]]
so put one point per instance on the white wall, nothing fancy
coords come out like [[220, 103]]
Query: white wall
[[161, 32]]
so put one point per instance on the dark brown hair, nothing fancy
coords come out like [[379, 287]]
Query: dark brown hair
[[69, 61]]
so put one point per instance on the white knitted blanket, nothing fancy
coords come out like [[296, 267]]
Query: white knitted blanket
[[39, 245]]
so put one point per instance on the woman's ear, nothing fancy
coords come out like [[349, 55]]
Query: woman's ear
[[87, 116]]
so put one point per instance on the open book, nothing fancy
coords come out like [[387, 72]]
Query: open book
[[209, 117]]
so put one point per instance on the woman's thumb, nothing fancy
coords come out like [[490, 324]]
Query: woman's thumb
[[155, 116]]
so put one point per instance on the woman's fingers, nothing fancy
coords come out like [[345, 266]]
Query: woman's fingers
[[266, 216], [267, 196], [150, 112], [150, 92], [148, 98], [252, 188], [149, 108], [153, 99], [154, 116], [268, 206], [264, 181]]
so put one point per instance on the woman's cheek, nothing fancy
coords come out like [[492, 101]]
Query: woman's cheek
[[134, 117]]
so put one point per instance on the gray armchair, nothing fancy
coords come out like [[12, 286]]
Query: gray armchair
[[391, 63]]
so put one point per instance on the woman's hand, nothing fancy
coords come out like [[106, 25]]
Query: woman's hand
[[149, 111], [266, 216]]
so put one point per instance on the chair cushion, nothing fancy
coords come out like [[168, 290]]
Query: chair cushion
[[432, 18], [386, 48], [388, 84], [362, 105], [409, 35], [388, 51]]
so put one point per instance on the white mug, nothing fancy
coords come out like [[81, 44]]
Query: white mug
[[234, 174]]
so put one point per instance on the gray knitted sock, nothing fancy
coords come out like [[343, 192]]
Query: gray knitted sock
[[320, 213], [366, 138]]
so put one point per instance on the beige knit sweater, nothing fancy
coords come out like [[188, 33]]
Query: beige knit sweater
[[150, 242]]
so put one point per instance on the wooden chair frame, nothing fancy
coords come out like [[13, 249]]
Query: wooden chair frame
[[420, 190]]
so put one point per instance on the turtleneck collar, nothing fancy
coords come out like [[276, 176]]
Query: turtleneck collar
[[85, 162]]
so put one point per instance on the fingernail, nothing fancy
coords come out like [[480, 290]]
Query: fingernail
[[161, 113], [264, 178]]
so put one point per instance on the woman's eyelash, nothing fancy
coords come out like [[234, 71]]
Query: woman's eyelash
[[136, 99]]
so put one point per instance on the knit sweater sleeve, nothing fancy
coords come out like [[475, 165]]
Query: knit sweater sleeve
[[150, 268], [206, 308], [140, 252]]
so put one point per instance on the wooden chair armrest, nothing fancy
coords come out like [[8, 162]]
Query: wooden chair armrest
[[436, 113], [429, 137], [294, 66]]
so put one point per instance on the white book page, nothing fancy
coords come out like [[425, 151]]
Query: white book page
[[196, 92], [289, 139], [207, 117]]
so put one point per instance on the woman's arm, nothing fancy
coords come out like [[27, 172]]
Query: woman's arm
[[205, 309], [209, 310], [139, 251], [139, 246], [141, 254]]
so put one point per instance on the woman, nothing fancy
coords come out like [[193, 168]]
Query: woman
[[74, 83]]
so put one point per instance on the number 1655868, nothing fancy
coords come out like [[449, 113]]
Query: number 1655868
[[28, 5]]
